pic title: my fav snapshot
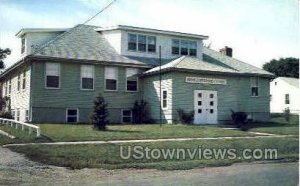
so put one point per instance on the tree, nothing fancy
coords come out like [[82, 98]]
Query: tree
[[140, 112], [100, 113], [286, 67], [3, 54]]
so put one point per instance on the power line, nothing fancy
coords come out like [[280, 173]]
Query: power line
[[100, 11]]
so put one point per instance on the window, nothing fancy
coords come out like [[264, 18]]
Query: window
[[9, 87], [287, 99], [184, 47], [26, 115], [4, 89], [254, 86], [87, 77], [13, 113], [24, 80], [164, 99], [52, 75], [132, 41], [131, 79], [72, 115], [22, 45], [19, 82], [126, 116], [175, 46], [111, 78], [151, 44], [142, 43], [193, 48], [18, 115]]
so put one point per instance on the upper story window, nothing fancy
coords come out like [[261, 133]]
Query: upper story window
[[22, 45], [111, 78], [141, 43], [254, 86], [184, 47], [131, 79], [87, 77], [19, 82], [287, 99], [52, 75], [24, 80]]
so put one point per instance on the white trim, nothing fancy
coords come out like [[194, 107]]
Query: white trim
[[59, 76], [77, 116], [122, 116], [93, 69]]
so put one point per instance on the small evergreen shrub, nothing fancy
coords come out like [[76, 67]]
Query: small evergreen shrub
[[185, 117], [100, 113], [6, 114], [140, 112], [239, 119]]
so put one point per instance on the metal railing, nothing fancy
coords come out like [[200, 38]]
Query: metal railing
[[21, 125]]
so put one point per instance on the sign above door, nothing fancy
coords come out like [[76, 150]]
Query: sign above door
[[206, 80]]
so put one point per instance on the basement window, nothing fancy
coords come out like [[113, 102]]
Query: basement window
[[72, 115], [111, 78], [87, 77], [126, 116], [131, 79], [254, 86], [52, 75]]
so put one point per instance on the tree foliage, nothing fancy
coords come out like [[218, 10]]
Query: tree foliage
[[3, 54], [100, 113], [285, 67], [140, 112]]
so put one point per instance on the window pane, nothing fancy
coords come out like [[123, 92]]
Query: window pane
[[87, 71], [164, 103], [111, 84], [199, 103], [52, 69], [126, 119], [211, 111], [72, 119], [199, 110], [151, 44], [126, 112], [53, 81], [164, 94], [131, 72], [72, 112], [254, 91], [111, 73], [131, 85], [287, 99], [184, 47], [87, 83], [175, 46], [254, 81], [132, 41], [193, 48], [142, 43]]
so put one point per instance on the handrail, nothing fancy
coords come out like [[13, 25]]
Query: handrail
[[15, 123]]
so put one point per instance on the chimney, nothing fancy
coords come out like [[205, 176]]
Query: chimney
[[226, 51]]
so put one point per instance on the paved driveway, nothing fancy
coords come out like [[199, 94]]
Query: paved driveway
[[16, 170]]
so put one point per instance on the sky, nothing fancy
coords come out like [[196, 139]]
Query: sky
[[257, 30]]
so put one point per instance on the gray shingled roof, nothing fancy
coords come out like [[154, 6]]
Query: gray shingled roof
[[82, 42], [291, 81], [214, 62]]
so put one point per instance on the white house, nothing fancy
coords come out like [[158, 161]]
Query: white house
[[284, 95]]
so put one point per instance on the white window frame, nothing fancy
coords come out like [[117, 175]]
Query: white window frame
[[9, 87], [253, 86], [77, 115], [122, 115], [116, 78], [136, 78], [81, 76], [162, 99], [59, 76], [137, 43], [24, 80], [18, 114]]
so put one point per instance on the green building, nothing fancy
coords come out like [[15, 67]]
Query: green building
[[61, 71]]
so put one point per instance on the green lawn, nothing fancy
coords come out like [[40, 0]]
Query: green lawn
[[278, 125], [108, 155]]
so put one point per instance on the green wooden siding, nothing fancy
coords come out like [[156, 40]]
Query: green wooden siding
[[71, 96]]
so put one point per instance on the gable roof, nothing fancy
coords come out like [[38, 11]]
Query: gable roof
[[291, 81], [82, 42], [213, 62]]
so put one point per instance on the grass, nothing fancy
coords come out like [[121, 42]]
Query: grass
[[108, 155], [278, 125]]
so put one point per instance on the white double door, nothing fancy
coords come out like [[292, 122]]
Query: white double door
[[205, 107]]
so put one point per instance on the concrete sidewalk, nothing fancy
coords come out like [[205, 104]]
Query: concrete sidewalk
[[148, 140]]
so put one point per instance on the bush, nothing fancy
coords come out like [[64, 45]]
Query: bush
[[239, 119], [140, 112], [100, 113], [287, 114], [6, 114], [184, 117]]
